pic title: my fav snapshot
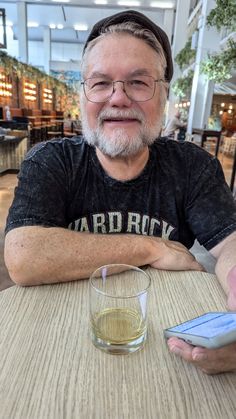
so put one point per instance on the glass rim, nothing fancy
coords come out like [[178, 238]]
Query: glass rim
[[132, 267]]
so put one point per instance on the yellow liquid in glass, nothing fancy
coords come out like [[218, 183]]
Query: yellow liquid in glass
[[118, 326]]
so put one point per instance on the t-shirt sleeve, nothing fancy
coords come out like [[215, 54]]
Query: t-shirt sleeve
[[41, 195], [211, 209]]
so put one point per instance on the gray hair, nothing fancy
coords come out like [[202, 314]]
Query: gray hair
[[133, 29]]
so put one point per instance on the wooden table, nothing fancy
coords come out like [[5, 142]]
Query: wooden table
[[50, 369]]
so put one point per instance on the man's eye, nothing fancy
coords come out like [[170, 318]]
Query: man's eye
[[100, 84], [137, 83]]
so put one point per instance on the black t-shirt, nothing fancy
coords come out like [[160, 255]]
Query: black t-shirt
[[180, 195]]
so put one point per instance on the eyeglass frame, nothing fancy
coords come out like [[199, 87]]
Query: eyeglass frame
[[113, 89]]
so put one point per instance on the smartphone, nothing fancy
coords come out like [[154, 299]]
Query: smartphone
[[211, 330]]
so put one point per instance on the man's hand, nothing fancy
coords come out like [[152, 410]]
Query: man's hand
[[175, 257], [231, 279], [210, 361]]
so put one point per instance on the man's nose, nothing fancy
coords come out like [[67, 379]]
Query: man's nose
[[119, 96]]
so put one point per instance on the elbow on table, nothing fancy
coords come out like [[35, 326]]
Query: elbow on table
[[20, 270]]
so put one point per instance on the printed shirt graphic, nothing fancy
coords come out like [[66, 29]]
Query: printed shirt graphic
[[116, 222], [180, 195]]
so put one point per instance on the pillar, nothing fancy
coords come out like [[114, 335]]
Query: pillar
[[203, 89], [47, 48], [179, 41], [22, 32]]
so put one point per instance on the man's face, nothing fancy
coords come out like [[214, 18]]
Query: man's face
[[120, 126]]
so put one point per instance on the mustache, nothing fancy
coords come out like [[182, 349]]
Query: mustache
[[121, 114]]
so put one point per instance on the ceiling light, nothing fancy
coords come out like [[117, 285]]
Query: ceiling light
[[162, 4], [52, 26], [100, 1], [128, 3], [60, 26], [62, 1], [32, 25], [81, 27]]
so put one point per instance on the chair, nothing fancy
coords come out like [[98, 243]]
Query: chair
[[228, 146]]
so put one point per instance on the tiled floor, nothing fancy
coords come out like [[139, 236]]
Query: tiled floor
[[8, 183]]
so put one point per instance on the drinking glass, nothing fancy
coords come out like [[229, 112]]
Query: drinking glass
[[118, 308]]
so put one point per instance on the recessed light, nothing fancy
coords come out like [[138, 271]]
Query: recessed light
[[100, 2], [128, 3], [52, 26], [60, 26], [81, 27], [32, 25], [162, 4]]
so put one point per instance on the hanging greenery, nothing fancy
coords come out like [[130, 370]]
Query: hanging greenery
[[218, 67], [182, 86], [223, 15], [12, 66], [185, 56]]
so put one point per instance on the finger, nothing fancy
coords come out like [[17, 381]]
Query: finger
[[181, 348], [196, 266], [189, 265]]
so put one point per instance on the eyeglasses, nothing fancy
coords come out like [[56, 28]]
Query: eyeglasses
[[138, 89]]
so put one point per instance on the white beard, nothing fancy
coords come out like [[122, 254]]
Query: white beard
[[119, 142]]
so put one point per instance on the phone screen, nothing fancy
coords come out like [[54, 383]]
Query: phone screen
[[209, 325]]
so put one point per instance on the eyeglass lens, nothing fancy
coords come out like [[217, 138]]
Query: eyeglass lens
[[139, 89]]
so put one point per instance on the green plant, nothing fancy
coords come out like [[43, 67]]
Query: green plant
[[218, 67], [223, 15], [182, 86], [185, 55]]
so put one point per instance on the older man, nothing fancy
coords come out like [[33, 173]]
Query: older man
[[120, 194]]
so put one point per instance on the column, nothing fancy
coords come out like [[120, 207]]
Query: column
[[203, 89], [168, 22], [47, 48], [22, 31], [179, 41]]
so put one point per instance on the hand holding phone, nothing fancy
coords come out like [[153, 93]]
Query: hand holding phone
[[211, 330]]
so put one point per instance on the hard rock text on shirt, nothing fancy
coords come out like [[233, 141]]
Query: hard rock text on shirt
[[118, 222]]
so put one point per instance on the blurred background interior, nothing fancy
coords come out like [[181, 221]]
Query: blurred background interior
[[41, 42]]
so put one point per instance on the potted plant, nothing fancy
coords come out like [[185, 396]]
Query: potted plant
[[223, 15], [218, 67], [183, 85], [184, 57]]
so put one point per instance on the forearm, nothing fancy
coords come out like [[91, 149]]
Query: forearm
[[36, 255]]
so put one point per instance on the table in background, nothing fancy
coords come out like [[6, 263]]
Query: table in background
[[50, 369], [232, 180]]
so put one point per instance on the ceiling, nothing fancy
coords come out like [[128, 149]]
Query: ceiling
[[76, 12]]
